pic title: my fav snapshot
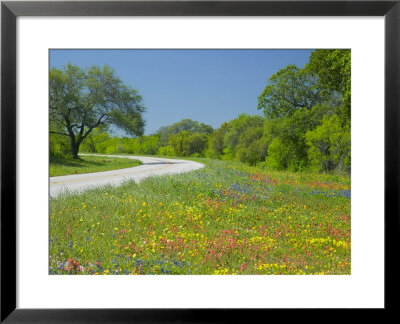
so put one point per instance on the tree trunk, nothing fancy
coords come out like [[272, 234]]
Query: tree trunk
[[74, 147], [77, 140], [75, 150]]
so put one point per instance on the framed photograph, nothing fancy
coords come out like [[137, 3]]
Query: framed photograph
[[261, 138]]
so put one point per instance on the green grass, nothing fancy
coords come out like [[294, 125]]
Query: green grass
[[89, 164], [227, 218]]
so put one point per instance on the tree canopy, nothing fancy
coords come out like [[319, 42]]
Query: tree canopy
[[287, 90], [187, 124], [82, 100], [333, 68]]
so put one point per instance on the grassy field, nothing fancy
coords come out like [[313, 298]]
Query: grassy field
[[227, 218], [88, 164]]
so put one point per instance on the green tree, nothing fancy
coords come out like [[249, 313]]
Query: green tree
[[166, 151], [83, 100], [287, 90], [186, 143], [236, 128], [148, 144], [231, 140], [197, 144], [95, 140], [278, 155], [59, 147], [216, 142], [329, 146], [333, 68], [252, 147], [291, 131], [183, 125]]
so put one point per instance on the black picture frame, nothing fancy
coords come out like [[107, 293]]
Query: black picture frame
[[10, 10]]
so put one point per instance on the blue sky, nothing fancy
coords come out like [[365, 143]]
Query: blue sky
[[210, 86]]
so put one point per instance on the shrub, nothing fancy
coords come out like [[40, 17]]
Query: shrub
[[166, 151]]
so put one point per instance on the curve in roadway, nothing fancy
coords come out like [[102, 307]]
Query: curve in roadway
[[151, 166]]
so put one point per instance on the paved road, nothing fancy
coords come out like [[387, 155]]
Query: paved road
[[150, 167]]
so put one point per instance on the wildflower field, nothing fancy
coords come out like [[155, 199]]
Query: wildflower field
[[227, 218]]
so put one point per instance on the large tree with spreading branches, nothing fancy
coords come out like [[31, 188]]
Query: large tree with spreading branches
[[83, 100]]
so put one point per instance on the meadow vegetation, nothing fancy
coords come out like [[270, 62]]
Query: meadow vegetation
[[227, 218]]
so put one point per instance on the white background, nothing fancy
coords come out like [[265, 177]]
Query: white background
[[363, 288]]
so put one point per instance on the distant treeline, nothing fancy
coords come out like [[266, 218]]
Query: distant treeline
[[306, 124]]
